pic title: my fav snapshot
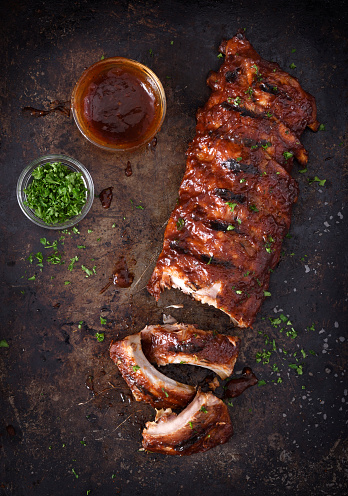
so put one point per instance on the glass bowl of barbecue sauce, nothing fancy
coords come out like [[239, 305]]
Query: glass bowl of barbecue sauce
[[118, 104]]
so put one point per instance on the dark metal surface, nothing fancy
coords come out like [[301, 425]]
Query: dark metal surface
[[64, 408]]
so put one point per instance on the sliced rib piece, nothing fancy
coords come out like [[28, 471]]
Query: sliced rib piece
[[145, 382], [186, 344], [205, 423], [226, 231]]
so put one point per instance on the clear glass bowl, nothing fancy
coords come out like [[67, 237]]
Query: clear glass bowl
[[92, 76], [26, 177]]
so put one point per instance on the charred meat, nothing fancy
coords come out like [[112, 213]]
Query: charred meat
[[145, 382], [185, 344], [205, 423], [225, 234]]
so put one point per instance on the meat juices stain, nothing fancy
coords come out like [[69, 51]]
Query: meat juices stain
[[235, 387], [106, 197], [128, 170], [56, 106], [121, 276]]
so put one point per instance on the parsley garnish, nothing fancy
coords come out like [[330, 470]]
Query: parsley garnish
[[253, 208], [266, 293], [220, 56], [72, 262], [180, 223], [203, 409], [292, 66], [321, 127], [230, 228], [165, 392], [56, 193], [4, 343], [100, 336], [288, 155], [103, 321], [232, 205], [89, 272], [316, 179], [261, 383], [136, 367]]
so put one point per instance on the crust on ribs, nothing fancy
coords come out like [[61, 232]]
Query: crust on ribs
[[145, 382], [205, 423], [186, 344], [225, 233]]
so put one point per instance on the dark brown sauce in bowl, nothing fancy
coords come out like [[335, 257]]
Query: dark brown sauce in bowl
[[118, 104]]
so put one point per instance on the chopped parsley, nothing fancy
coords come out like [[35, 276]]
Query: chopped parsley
[[56, 193], [165, 392], [191, 425], [4, 343], [287, 155], [237, 101], [269, 114], [32, 278], [316, 179], [72, 263], [232, 205], [261, 383], [73, 471], [239, 159], [89, 272], [302, 171], [220, 56], [180, 223], [100, 336], [203, 409], [321, 127], [136, 367], [67, 282], [230, 228], [103, 321], [292, 66], [253, 208], [266, 293]]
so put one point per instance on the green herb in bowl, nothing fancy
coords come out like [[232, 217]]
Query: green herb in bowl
[[56, 192]]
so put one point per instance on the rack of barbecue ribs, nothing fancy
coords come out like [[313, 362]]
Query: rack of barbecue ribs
[[225, 234]]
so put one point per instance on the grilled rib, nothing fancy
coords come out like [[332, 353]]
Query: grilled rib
[[225, 234], [186, 344], [145, 382], [205, 423]]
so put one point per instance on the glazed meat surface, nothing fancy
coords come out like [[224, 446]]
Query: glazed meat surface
[[145, 382], [205, 423], [226, 231], [185, 344]]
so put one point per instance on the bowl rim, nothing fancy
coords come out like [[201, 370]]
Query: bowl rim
[[137, 65], [73, 164]]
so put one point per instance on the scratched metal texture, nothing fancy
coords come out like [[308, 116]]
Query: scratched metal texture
[[68, 424]]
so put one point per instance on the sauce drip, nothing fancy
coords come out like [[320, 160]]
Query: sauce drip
[[235, 387], [56, 106], [106, 197], [119, 107], [128, 170], [121, 276]]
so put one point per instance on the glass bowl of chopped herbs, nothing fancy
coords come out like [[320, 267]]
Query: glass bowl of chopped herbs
[[55, 191]]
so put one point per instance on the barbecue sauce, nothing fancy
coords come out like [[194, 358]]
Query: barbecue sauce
[[235, 387], [119, 107], [56, 106], [105, 197], [128, 170], [121, 276]]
